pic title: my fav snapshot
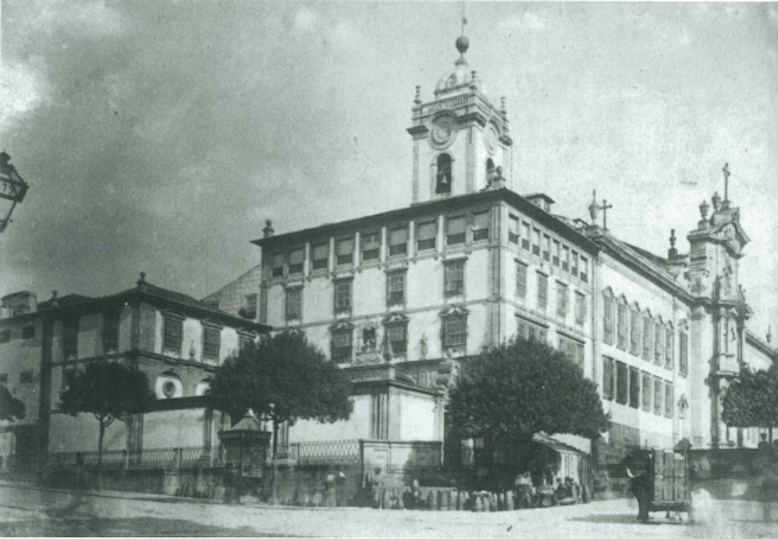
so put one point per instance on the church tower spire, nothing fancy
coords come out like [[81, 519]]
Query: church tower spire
[[460, 139]]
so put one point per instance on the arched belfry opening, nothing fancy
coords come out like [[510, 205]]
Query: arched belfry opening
[[443, 174]]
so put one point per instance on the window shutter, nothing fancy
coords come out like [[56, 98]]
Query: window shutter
[[425, 231], [455, 225], [296, 257], [321, 251], [481, 220], [398, 236]]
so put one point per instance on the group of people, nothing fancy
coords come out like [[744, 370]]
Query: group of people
[[565, 492]]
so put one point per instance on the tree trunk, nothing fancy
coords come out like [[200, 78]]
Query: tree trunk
[[100, 456]]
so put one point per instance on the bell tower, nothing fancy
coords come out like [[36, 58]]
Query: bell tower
[[461, 143]]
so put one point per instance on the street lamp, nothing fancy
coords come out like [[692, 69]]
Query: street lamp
[[12, 189]]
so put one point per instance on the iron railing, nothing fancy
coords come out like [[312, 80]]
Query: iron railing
[[329, 452], [168, 457]]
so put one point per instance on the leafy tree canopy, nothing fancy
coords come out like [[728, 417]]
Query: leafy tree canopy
[[283, 378], [521, 388], [107, 390], [11, 408], [751, 399]]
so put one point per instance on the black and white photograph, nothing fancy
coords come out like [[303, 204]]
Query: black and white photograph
[[388, 269]]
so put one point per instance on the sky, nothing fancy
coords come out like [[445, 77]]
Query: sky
[[159, 135]]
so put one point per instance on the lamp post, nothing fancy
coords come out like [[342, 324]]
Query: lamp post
[[12, 189]]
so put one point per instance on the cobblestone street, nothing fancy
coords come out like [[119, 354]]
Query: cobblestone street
[[27, 511]]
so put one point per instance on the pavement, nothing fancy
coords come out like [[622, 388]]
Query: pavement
[[33, 511]]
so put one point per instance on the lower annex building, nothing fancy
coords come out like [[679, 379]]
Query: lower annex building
[[401, 298]]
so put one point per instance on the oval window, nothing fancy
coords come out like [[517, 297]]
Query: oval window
[[169, 389]]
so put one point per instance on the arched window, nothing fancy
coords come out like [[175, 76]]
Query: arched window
[[443, 177]]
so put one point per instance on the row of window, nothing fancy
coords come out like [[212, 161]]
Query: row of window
[[572, 348], [25, 377], [173, 336], [637, 389], [641, 335], [397, 241], [110, 335], [562, 294], [542, 245], [396, 285], [28, 332]]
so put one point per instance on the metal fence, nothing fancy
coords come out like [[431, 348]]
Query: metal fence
[[168, 457], [330, 452]]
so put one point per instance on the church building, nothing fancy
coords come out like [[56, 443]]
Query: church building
[[402, 298]]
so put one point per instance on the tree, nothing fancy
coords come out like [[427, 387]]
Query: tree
[[751, 400], [110, 391], [524, 387], [11, 408], [282, 378]]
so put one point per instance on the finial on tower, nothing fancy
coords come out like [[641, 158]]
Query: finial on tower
[[417, 98], [672, 252], [769, 336]]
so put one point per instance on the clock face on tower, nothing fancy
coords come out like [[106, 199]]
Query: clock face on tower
[[443, 132], [490, 139]]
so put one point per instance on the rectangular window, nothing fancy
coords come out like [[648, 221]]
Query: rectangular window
[[395, 288], [561, 299], [28, 332], [513, 229], [455, 230], [528, 330], [111, 332], [481, 226], [343, 296], [277, 265], [173, 334], [212, 339], [320, 256], [574, 350], [294, 306], [574, 267], [296, 259], [622, 383], [658, 390], [398, 338], [26, 377], [683, 357], [556, 254], [634, 333], [580, 309], [634, 387], [341, 346], [584, 270], [648, 338], [565, 258], [669, 399], [659, 349], [425, 236], [455, 278], [621, 324], [669, 356], [521, 279], [536, 241], [344, 249], [546, 247], [608, 322], [542, 291], [647, 390], [454, 331], [525, 236], [607, 378], [70, 339], [244, 340], [370, 243], [398, 242]]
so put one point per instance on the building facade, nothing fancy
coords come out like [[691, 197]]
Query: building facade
[[176, 340], [408, 295]]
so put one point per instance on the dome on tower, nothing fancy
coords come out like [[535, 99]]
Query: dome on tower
[[460, 77]]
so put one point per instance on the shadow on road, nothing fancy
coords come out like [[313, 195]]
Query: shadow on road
[[623, 519]]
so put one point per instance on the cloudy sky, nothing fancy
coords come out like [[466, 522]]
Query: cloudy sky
[[152, 133]]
